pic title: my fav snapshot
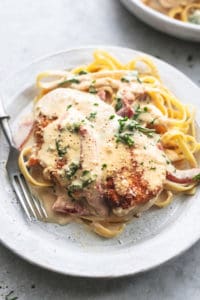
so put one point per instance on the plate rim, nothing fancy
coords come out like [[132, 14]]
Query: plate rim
[[85, 274]]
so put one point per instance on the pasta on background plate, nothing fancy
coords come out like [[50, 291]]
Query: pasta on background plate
[[108, 141], [183, 10]]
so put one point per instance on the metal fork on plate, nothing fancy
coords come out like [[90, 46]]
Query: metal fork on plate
[[32, 207]]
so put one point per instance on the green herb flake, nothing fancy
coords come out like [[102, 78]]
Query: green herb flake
[[69, 81], [92, 88], [60, 149], [153, 168], [197, 177], [82, 72], [74, 127], [85, 172], [68, 107], [74, 188], [96, 104], [124, 79], [111, 117], [126, 139], [104, 166], [87, 178], [92, 116], [153, 121], [136, 75], [122, 123], [71, 171], [139, 111], [118, 104]]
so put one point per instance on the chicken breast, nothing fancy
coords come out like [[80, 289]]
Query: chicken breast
[[105, 163]]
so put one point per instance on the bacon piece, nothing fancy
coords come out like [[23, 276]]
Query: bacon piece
[[160, 146], [126, 111], [33, 161], [183, 176], [66, 206], [102, 95]]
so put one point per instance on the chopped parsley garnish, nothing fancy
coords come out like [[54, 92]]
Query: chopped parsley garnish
[[132, 125], [60, 149], [92, 116], [122, 124], [86, 179], [86, 172], [126, 139], [71, 171], [124, 79], [111, 117], [96, 104], [73, 188], [104, 166], [118, 104], [68, 107], [136, 75], [139, 110], [197, 177], [153, 168], [82, 72], [74, 127], [72, 80], [153, 121], [92, 88], [130, 76], [127, 128]]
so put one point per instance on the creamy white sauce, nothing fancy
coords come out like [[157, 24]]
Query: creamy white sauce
[[96, 147]]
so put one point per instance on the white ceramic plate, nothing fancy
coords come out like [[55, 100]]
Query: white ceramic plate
[[163, 23], [147, 242]]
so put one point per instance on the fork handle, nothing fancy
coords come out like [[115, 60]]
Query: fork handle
[[5, 125]]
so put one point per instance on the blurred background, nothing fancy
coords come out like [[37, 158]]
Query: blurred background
[[31, 29]]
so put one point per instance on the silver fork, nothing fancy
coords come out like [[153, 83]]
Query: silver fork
[[32, 206]]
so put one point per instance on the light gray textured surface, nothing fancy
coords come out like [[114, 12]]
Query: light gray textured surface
[[29, 29]]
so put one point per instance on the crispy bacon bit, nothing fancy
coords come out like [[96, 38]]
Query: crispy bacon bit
[[33, 161], [160, 128], [102, 95], [61, 162], [65, 206], [173, 178], [105, 95], [126, 112], [184, 176], [83, 130], [160, 146]]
